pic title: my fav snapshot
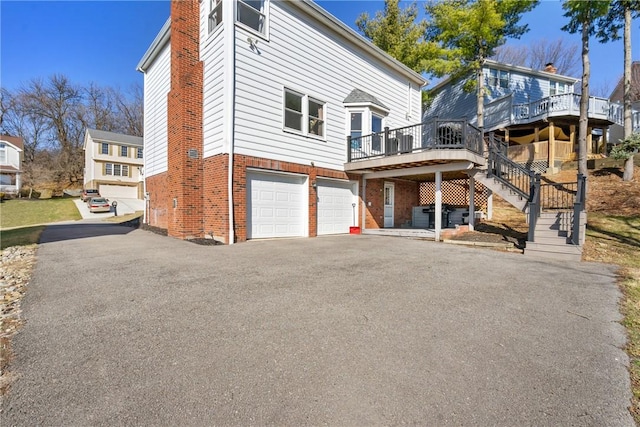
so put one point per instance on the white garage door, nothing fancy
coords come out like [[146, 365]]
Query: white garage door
[[276, 205], [335, 207], [118, 191]]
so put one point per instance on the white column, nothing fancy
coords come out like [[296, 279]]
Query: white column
[[364, 202], [489, 204], [472, 205], [438, 222]]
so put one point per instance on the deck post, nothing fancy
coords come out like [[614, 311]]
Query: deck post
[[489, 204], [552, 148], [472, 205], [364, 203], [438, 221], [349, 148]]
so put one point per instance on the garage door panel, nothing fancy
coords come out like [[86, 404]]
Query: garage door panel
[[118, 191], [335, 207], [276, 206]]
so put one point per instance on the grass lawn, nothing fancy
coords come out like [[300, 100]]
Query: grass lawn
[[20, 236], [19, 212], [616, 240]]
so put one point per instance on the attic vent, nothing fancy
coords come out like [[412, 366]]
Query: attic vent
[[193, 153]]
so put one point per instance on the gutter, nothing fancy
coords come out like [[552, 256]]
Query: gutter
[[156, 46]]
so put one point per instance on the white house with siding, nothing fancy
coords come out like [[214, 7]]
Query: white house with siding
[[248, 106], [113, 164], [11, 156]]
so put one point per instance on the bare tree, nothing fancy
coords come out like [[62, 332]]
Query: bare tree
[[565, 56]]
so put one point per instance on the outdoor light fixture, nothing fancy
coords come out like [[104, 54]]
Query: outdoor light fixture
[[313, 184]]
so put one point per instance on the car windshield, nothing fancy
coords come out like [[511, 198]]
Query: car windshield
[[98, 201], [92, 191]]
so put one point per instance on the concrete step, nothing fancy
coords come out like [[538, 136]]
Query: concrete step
[[551, 233]]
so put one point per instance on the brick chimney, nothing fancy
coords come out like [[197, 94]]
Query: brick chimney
[[184, 123], [549, 68]]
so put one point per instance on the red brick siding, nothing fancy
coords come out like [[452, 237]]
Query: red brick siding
[[406, 195], [184, 123], [159, 200], [215, 197]]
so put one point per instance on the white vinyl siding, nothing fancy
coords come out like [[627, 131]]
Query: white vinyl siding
[[156, 87], [213, 108], [318, 63]]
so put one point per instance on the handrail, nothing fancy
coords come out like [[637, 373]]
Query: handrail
[[513, 175], [435, 134], [578, 207]]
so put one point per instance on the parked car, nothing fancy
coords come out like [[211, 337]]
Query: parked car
[[99, 204], [87, 194]]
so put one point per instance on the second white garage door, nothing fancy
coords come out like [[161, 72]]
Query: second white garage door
[[336, 212], [118, 191], [276, 205]]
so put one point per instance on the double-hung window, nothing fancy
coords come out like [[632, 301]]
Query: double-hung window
[[108, 169], [557, 88], [116, 170], [139, 153], [124, 151], [125, 170], [356, 130], [304, 114], [3, 153], [252, 13], [498, 78], [104, 148], [215, 14], [376, 129], [293, 110], [316, 117]]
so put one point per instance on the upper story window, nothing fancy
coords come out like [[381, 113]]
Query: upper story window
[[124, 151], [366, 123], [557, 88], [139, 153], [3, 153], [252, 13], [104, 148], [498, 78], [304, 114], [215, 14], [356, 125]]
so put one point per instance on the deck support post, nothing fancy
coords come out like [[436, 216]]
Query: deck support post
[[472, 205], [552, 148], [364, 203], [489, 204], [438, 221]]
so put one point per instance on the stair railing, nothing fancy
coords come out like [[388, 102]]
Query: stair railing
[[513, 175], [534, 207]]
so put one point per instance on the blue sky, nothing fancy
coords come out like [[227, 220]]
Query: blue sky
[[102, 41]]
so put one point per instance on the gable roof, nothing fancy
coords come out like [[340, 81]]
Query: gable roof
[[358, 96], [618, 93], [313, 11], [119, 138], [489, 63], [16, 141]]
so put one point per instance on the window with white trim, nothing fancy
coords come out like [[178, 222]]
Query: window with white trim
[[304, 114], [104, 148], [139, 153], [124, 151], [3, 153], [376, 127], [253, 14], [498, 78], [215, 14], [293, 110], [115, 169], [557, 88]]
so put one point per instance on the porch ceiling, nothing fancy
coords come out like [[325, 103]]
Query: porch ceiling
[[446, 160]]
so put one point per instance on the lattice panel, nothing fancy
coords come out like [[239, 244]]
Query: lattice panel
[[454, 192], [538, 166]]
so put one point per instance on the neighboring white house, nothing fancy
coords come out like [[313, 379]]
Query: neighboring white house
[[113, 164], [248, 105], [11, 155]]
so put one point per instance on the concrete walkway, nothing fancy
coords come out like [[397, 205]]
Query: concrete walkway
[[130, 328]]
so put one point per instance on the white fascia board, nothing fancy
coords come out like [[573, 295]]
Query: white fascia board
[[369, 105], [349, 35], [156, 46]]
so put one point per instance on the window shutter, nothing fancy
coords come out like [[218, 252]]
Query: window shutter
[[104, 169]]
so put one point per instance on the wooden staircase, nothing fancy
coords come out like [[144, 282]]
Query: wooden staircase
[[553, 231], [553, 234]]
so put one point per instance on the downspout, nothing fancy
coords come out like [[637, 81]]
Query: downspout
[[229, 19]]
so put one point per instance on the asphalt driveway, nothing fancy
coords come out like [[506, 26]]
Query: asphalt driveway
[[132, 328]]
